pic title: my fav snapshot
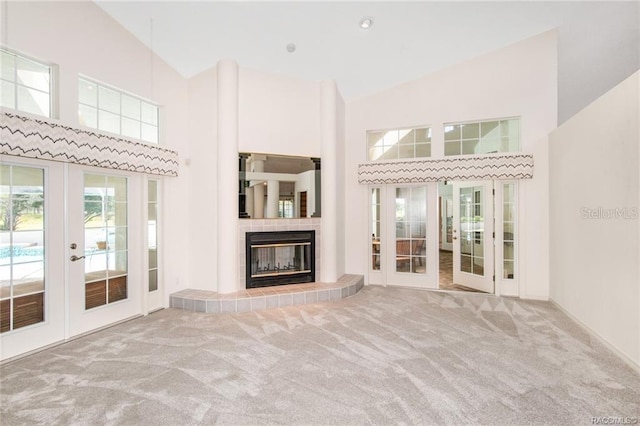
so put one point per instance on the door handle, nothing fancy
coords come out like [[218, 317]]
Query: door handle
[[454, 237], [76, 258]]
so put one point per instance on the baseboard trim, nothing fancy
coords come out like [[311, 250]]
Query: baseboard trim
[[624, 357]]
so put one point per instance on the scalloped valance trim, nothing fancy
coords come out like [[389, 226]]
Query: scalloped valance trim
[[504, 166], [38, 138]]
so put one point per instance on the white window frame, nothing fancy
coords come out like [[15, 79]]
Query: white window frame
[[396, 146], [479, 122], [52, 83], [121, 117]]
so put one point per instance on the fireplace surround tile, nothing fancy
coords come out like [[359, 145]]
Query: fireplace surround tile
[[213, 306], [299, 298], [311, 297], [272, 301], [285, 299], [243, 305], [256, 299], [324, 295], [200, 306]]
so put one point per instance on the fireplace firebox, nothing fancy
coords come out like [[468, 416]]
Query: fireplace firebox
[[278, 258]]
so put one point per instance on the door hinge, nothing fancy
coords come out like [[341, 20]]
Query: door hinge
[[493, 191], [494, 234], [494, 278]]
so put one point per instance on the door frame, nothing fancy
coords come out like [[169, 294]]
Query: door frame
[[52, 330], [387, 274]]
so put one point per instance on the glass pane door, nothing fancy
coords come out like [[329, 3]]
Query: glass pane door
[[22, 251], [473, 235], [105, 239], [411, 229], [31, 260]]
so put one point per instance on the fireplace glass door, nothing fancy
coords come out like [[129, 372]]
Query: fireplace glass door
[[277, 258]]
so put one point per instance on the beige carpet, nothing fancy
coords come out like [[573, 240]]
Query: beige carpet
[[384, 356]]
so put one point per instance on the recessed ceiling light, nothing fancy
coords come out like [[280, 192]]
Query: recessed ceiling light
[[366, 23], [291, 47]]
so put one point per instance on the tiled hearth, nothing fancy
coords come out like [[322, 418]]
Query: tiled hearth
[[256, 299]]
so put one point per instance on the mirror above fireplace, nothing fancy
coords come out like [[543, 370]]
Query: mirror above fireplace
[[278, 186]]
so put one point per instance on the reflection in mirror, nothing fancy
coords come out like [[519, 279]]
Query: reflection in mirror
[[278, 186]]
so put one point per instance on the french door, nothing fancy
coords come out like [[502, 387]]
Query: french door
[[104, 285], [404, 235], [32, 263], [78, 251], [473, 235]]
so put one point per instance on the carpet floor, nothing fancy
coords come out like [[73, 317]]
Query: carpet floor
[[384, 356]]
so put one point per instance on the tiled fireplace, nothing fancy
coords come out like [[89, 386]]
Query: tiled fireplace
[[279, 258], [285, 226]]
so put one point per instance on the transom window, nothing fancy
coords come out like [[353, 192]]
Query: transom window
[[399, 143], [111, 110], [25, 84], [482, 137]]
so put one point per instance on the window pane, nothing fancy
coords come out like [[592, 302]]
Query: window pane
[[153, 258], [452, 148], [131, 107], [470, 130], [423, 150], [130, 128], [7, 66], [452, 132], [33, 101], [149, 113], [153, 280], [32, 74], [374, 139], [375, 153], [405, 151], [109, 100], [406, 136], [490, 129], [22, 256], [87, 93], [108, 122], [149, 133], [470, 146], [153, 190], [88, 116], [7, 95], [423, 135], [490, 145]]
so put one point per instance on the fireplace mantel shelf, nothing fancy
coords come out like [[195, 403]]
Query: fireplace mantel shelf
[[256, 299]]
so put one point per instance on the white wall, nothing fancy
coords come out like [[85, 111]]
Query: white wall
[[80, 38], [278, 115], [202, 245], [520, 80], [594, 159]]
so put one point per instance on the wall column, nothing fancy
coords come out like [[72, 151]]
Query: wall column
[[227, 195], [273, 196], [329, 142]]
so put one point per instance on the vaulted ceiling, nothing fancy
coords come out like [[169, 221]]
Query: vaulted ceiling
[[598, 42]]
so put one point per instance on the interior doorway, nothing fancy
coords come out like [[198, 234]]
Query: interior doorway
[[466, 236]]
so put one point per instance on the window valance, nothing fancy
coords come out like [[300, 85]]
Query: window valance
[[465, 167], [38, 138]]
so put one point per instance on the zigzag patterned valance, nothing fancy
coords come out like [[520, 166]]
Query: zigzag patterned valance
[[37, 138], [469, 167]]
